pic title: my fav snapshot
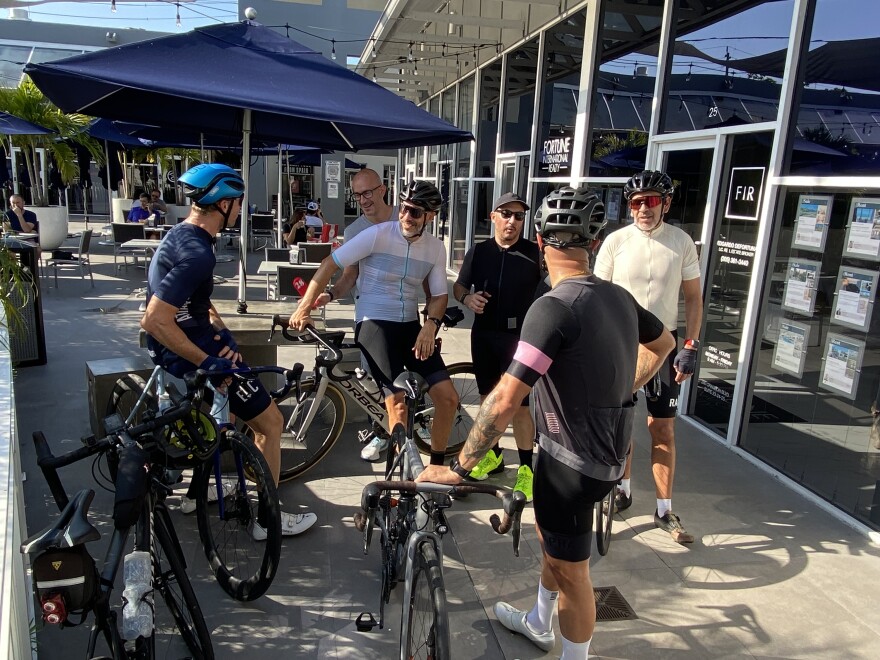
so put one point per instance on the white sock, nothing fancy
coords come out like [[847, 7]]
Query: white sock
[[664, 507], [624, 487], [540, 618], [575, 651]]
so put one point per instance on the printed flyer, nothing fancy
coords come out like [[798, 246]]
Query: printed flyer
[[854, 297], [791, 347], [843, 362], [800, 286], [811, 226], [863, 230]]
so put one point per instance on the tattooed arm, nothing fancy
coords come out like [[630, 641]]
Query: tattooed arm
[[492, 420]]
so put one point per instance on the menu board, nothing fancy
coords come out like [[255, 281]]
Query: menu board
[[842, 364], [800, 286], [791, 347], [811, 225], [854, 297], [863, 230]]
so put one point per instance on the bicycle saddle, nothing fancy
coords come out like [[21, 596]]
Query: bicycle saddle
[[413, 385], [71, 529]]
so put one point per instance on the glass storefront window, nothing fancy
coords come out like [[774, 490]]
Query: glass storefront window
[[621, 113], [459, 223], [481, 209], [838, 122], [817, 367], [487, 131], [433, 151], [12, 60], [519, 98], [728, 66], [465, 120], [447, 113]]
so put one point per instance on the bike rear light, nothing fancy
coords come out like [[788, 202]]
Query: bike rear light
[[54, 611]]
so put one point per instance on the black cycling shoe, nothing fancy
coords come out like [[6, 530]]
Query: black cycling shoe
[[622, 501]]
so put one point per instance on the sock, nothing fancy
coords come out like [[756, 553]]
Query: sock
[[540, 618], [526, 456], [624, 487], [663, 507], [496, 450], [575, 651]]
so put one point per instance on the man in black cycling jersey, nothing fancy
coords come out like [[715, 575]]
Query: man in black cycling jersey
[[503, 271], [585, 347], [394, 259], [185, 332]]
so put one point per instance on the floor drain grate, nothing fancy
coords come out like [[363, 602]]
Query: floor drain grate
[[611, 605]]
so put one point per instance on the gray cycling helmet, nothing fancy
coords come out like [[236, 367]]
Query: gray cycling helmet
[[579, 213], [649, 180], [422, 193]]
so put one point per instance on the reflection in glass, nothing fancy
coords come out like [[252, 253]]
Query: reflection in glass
[[519, 97], [487, 133], [459, 223], [465, 121], [838, 122], [817, 434], [433, 151], [447, 113], [482, 207], [727, 67]]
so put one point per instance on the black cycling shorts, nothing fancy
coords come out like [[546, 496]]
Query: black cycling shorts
[[387, 347], [564, 501], [666, 404], [247, 396], [492, 352]]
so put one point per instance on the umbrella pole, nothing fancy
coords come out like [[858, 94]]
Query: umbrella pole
[[14, 168], [280, 242], [289, 190], [245, 212], [109, 182]]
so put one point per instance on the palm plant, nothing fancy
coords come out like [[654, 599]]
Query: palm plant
[[28, 102]]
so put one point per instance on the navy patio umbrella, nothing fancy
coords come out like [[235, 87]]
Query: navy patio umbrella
[[240, 78], [12, 125]]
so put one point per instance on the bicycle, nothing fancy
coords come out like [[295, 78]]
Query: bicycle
[[412, 522], [314, 409], [65, 575], [243, 566]]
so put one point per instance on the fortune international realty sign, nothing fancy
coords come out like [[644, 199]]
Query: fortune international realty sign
[[556, 152]]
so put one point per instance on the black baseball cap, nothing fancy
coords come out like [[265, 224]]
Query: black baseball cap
[[507, 198]]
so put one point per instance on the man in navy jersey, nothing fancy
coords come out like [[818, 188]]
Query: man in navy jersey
[[585, 347], [186, 332]]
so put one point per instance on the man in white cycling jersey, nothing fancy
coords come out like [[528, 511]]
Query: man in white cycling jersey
[[393, 259]]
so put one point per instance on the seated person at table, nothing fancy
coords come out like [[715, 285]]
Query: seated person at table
[[314, 219], [158, 205], [140, 212], [296, 230], [19, 219]]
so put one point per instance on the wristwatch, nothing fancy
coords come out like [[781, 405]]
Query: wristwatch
[[456, 467], [435, 320], [692, 344]]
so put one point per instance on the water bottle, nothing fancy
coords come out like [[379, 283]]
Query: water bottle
[[137, 611], [164, 402]]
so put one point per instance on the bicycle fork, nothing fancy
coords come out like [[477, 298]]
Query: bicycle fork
[[220, 413]]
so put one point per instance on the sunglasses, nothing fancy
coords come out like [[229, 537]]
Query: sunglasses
[[414, 211], [507, 214], [650, 202]]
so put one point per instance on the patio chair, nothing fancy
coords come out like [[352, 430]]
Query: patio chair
[[277, 254], [81, 259], [315, 253], [284, 288], [123, 232], [262, 227]]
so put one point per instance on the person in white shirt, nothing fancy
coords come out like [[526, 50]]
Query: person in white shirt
[[314, 219]]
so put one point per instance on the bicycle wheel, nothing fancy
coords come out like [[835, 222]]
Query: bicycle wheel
[[427, 633], [465, 383], [243, 565], [604, 519], [297, 456], [126, 392], [171, 580]]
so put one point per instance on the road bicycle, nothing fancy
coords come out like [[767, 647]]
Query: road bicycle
[[314, 409], [412, 522], [65, 576], [236, 476]]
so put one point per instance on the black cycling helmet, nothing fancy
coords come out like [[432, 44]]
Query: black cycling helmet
[[211, 182], [423, 194], [649, 180], [579, 213]]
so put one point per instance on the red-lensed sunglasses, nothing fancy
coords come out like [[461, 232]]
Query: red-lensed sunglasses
[[650, 202]]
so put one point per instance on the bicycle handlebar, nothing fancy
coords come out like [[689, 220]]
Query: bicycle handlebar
[[329, 341], [512, 502]]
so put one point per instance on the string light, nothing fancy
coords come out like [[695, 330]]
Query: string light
[[373, 54], [113, 6], [178, 14], [416, 68], [635, 71], [409, 57], [333, 50], [690, 69], [374, 74]]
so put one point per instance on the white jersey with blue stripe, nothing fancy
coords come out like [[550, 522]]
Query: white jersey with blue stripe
[[391, 271]]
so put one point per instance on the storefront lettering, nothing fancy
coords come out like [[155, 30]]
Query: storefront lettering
[[738, 254], [556, 153], [715, 391], [719, 358], [744, 195]]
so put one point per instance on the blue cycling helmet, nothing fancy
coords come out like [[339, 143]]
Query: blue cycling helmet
[[209, 183]]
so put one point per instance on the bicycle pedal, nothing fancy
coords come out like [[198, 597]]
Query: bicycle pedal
[[365, 622]]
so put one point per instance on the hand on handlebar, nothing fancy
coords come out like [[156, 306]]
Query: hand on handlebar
[[300, 320], [439, 474]]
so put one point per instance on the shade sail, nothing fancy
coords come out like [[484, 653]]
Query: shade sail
[[12, 125], [204, 79]]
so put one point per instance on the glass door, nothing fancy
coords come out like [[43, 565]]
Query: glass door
[[513, 175]]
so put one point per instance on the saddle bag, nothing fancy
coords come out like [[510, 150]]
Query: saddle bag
[[68, 574]]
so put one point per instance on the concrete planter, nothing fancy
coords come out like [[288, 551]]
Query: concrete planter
[[53, 226]]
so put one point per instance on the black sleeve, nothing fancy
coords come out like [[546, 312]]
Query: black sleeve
[[548, 325], [465, 275], [650, 327]]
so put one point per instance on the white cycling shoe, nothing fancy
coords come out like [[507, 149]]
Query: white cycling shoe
[[515, 620], [188, 506], [291, 525], [373, 451]]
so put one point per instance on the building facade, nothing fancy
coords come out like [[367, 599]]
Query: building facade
[[767, 116]]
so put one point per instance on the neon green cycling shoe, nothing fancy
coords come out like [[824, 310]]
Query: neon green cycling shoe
[[524, 478], [492, 463]]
